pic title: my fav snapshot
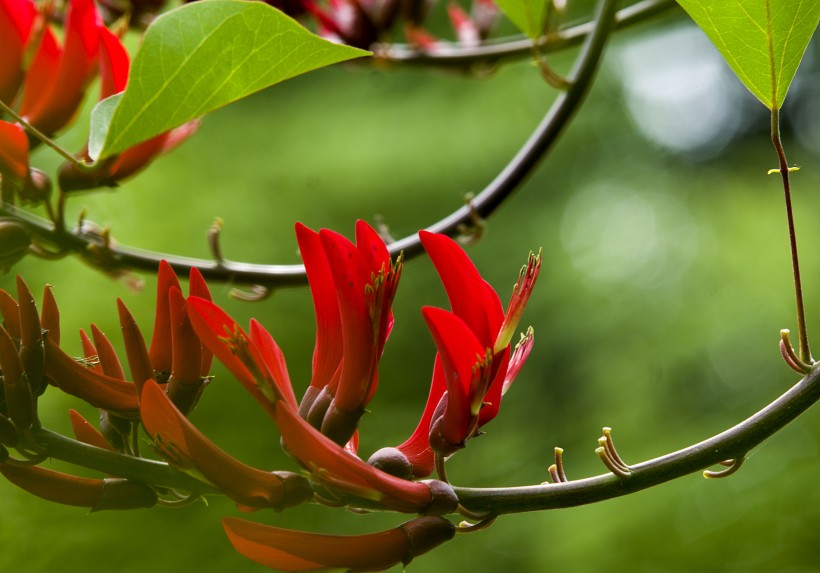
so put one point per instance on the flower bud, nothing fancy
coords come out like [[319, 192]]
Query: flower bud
[[14, 243], [392, 461], [37, 188]]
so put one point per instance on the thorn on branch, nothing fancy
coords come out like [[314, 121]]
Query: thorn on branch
[[472, 233], [732, 467], [609, 455], [790, 356]]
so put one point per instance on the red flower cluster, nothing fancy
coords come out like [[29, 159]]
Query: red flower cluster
[[45, 82], [353, 286]]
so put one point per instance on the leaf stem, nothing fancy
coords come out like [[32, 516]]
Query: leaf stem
[[80, 164], [802, 335]]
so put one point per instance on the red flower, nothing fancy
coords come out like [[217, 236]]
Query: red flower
[[288, 550], [473, 367], [353, 287]]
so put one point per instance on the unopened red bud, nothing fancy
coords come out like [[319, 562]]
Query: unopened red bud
[[14, 243], [50, 316], [393, 462], [426, 533], [444, 499]]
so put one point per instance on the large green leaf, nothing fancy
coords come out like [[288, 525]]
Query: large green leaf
[[200, 57], [762, 40], [527, 15]]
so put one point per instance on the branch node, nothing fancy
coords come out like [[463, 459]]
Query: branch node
[[732, 466]]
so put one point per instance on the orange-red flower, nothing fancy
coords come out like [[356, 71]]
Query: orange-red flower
[[184, 446], [288, 550]]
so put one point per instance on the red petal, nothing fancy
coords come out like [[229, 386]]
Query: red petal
[[289, 550], [114, 64], [350, 275], [11, 314], [50, 315], [138, 361], [16, 22], [215, 328], [55, 105], [109, 361], [161, 345], [273, 359], [471, 298], [460, 351], [13, 150], [90, 352], [327, 354], [199, 288], [97, 389], [417, 447], [41, 75], [331, 464], [87, 433], [187, 447]]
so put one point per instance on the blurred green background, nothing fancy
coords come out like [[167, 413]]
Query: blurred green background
[[665, 281]]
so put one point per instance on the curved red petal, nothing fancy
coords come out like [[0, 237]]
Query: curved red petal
[[135, 350], [199, 288], [16, 22], [109, 361], [114, 64], [161, 349], [460, 351], [221, 334], [184, 445], [351, 276], [471, 297], [87, 433], [273, 359], [331, 464], [327, 354], [289, 550]]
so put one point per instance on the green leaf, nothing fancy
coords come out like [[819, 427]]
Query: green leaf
[[200, 57], [528, 15], [762, 40]]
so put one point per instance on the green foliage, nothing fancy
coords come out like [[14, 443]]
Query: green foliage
[[762, 40], [201, 57], [527, 15]]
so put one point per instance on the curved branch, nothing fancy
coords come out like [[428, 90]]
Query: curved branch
[[483, 205], [734, 443], [493, 51]]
